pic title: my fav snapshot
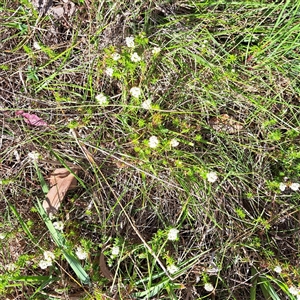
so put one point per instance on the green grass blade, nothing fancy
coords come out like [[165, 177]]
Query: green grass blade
[[61, 243]]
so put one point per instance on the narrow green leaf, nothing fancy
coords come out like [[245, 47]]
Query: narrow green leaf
[[60, 241]]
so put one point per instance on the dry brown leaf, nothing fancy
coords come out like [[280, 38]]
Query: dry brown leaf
[[61, 180], [225, 123], [104, 269]]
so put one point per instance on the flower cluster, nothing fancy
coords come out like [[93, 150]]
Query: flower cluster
[[101, 99], [47, 261], [146, 104], [172, 269], [212, 177], [295, 291], [153, 142], [173, 234], [81, 253], [135, 92], [174, 143], [208, 287], [115, 251], [278, 269], [59, 225], [293, 186]]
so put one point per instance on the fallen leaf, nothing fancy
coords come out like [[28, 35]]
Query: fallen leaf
[[225, 123], [61, 181], [31, 119], [104, 268]]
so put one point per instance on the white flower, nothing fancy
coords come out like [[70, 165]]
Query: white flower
[[208, 287], [115, 56], [153, 142], [295, 186], [10, 267], [135, 57], [172, 269], [174, 143], [36, 45], [155, 50], [135, 92], [130, 41], [2, 235], [115, 250], [59, 225], [294, 290], [212, 176], [146, 104], [49, 256], [173, 234], [81, 254], [278, 269], [33, 156], [44, 264], [282, 186], [109, 72], [101, 99]]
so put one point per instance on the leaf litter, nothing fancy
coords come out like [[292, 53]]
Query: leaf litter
[[61, 181], [31, 119]]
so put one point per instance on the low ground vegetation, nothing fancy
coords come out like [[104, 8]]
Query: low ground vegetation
[[177, 123]]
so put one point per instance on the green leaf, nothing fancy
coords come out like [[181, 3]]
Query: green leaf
[[60, 241]]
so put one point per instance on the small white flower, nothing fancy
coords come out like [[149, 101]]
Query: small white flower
[[173, 234], [59, 225], [81, 254], [172, 269], [174, 143], [208, 287], [10, 267], [49, 256], [278, 269], [115, 250], [115, 56], [155, 50], [282, 186], [130, 41], [294, 290], [146, 104], [295, 186], [101, 99], [2, 235], [44, 264], [33, 156], [109, 72], [135, 92], [212, 177], [36, 45], [135, 57], [153, 142]]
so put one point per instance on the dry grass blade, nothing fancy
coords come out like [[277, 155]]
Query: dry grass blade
[[61, 180]]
